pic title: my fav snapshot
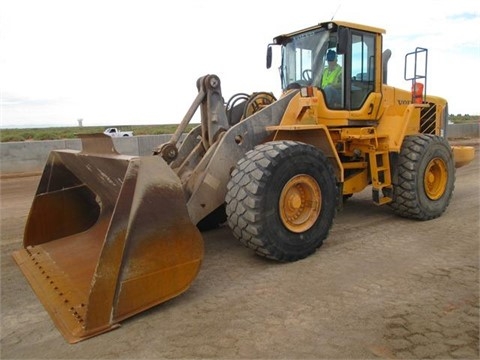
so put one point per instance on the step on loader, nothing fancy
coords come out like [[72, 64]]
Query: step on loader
[[110, 235]]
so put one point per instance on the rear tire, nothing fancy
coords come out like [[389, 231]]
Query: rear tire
[[281, 200], [424, 178]]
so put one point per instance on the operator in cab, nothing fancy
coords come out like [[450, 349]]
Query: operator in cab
[[332, 80]]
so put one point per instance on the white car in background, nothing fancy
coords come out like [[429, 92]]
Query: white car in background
[[115, 132]]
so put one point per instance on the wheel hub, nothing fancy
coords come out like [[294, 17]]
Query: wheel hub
[[435, 179], [295, 201], [300, 203]]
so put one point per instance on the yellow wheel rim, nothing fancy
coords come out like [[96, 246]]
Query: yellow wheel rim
[[436, 178], [300, 203]]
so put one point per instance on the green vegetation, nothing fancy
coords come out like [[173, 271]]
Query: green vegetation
[[57, 133], [464, 119]]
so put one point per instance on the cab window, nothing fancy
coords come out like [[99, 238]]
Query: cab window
[[363, 65]]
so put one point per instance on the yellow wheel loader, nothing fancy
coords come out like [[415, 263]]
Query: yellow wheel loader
[[110, 235]]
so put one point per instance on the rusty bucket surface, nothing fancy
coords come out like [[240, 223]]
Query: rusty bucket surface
[[107, 237]]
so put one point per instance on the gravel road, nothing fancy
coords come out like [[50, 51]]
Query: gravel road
[[380, 287]]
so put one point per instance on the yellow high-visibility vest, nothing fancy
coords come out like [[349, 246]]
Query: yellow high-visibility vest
[[332, 77]]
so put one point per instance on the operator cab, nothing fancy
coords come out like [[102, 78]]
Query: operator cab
[[348, 54]]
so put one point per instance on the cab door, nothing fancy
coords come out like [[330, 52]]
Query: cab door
[[363, 75]]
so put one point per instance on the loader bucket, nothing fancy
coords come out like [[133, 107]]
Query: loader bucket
[[463, 155], [108, 236]]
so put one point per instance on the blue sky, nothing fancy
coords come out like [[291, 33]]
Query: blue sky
[[137, 62]]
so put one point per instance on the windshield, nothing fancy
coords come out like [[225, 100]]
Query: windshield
[[304, 56]]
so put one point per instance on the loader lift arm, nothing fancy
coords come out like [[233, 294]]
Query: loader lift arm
[[213, 118], [201, 159]]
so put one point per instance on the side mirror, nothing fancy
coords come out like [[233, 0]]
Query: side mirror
[[269, 56], [343, 39]]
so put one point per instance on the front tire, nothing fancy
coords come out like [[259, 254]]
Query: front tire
[[424, 178], [281, 200]]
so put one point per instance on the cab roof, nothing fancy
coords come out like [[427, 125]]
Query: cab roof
[[329, 25]]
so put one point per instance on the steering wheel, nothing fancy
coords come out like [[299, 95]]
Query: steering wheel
[[307, 75]]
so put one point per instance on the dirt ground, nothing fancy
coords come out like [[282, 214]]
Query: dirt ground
[[380, 287]]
